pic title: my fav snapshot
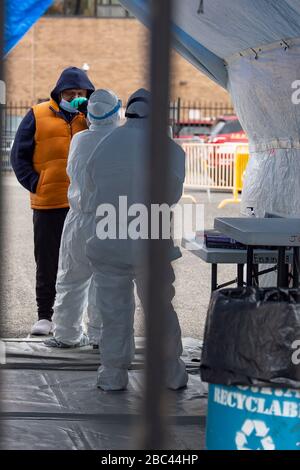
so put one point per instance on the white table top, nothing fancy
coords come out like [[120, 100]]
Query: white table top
[[261, 232]]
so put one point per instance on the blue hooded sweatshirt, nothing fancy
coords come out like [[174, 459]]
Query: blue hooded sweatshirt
[[23, 148]]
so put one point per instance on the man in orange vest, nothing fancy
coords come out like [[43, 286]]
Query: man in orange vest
[[39, 159]]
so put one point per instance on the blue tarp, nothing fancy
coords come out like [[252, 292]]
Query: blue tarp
[[19, 17]]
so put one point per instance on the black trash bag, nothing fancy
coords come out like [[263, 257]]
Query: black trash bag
[[250, 336]]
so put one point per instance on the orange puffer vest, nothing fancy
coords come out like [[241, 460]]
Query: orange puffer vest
[[52, 141]]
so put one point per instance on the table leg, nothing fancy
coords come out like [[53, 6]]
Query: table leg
[[296, 273], [255, 274], [240, 275], [282, 269], [249, 265], [214, 277]]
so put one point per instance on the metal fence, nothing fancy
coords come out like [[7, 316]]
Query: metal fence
[[12, 115], [216, 167], [209, 166], [180, 112], [196, 112]]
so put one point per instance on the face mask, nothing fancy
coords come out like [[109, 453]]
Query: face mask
[[64, 104]]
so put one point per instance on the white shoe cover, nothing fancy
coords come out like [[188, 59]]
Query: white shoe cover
[[112, 378], [177, 376]]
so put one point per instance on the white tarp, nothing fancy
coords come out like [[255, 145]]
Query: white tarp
[[252, 48]]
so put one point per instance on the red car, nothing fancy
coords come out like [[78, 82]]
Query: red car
[[199, 129], [227, 129]]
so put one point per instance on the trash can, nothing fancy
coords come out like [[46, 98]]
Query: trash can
[[252, 418], [251, 362]]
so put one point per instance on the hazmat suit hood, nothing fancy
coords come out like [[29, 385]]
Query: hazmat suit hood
[[103, 108], [72, 77], [138, 105]]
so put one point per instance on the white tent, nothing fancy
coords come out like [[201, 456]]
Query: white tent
[[252, 48]]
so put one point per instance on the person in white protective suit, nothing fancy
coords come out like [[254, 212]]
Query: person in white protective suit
[[74, 286], [119, 170]]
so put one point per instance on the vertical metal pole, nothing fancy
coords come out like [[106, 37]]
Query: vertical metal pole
[[295, 268], [158, 259], [214, 277], [178, 111], [282, 269], [240, 275], [255, 274], [249, 266]]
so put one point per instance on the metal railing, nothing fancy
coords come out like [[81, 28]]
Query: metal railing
[[216, 167], [193, 112], [209, 166], [11, 116]]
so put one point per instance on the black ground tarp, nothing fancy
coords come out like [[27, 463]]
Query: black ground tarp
[[50, 401]]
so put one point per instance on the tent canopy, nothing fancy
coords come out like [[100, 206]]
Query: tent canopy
[[224, 28]]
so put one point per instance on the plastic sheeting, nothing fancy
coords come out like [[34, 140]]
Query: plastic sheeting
[[253, 50], [50, 401], [224, 28], [187, 45], [19, 17], [261, 90]]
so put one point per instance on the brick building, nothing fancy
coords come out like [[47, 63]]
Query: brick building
[[104, 38]]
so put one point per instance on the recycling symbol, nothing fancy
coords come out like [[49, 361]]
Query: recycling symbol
[[255, 432]]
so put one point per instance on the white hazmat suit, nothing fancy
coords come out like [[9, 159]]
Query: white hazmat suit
[[74, 287], [119, 170]]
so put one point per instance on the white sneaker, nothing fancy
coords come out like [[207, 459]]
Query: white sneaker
[[42, 328]]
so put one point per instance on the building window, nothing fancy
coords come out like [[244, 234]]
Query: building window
[[88, 8], [57, 8], [111, 8]]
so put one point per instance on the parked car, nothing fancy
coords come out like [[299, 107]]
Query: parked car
[[227, 129], [199, 130]]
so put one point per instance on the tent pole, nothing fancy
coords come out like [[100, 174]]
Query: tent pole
[[159, 265]]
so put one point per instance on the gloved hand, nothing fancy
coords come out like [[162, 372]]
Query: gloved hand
[[80, 104], [76, 102]]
